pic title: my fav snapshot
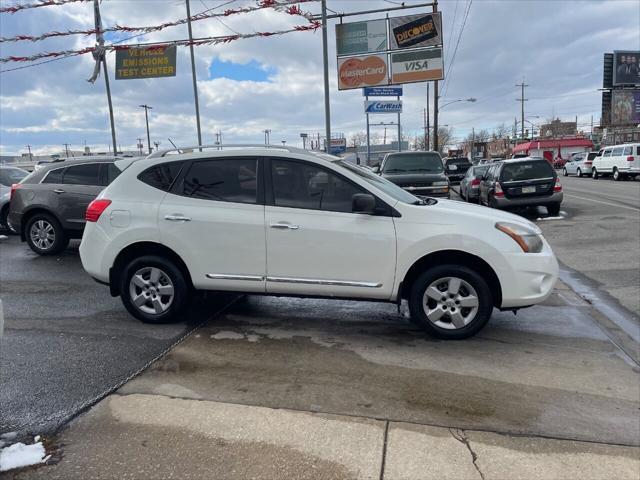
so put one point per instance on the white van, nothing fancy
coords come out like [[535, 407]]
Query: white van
[[621, 161]]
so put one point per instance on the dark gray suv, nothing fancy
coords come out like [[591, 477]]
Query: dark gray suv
[[47, 207]]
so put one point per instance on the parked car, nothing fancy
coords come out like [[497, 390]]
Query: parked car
[[579, 164], [421, 173], [470, 184], [48, 206], [522, 182], [456, 168], [8, 176], [619, 161], [286, 222]]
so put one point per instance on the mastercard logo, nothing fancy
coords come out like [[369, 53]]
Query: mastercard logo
[[366, 71]]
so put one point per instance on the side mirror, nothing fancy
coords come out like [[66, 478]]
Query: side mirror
[[363, 203]]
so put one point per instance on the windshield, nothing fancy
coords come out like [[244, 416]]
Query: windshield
[[592, 155], [413, 162], [9, 176], [514, 172], [380, 183]]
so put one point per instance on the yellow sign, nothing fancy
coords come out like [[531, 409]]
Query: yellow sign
[[146, 62]]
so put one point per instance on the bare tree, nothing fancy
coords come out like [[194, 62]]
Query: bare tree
[[445, 136], [483, 135], [501, 131], [357, 139]]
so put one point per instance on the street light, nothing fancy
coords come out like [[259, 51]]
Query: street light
[[146, 116], [435, 126], [471, 100]]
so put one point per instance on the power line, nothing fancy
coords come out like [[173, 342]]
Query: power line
[[447, 80], [451, 35]]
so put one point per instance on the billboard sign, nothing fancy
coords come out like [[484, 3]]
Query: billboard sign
[[337, 145], [382, 91], [417, 65], [363, 71], [146, 62], [625, 107], [383, 106], [361, 37], [423, 30], [626, 68]]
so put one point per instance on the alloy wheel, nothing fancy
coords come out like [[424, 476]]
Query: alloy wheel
[[42, 234], [151, 290], [450, 303]]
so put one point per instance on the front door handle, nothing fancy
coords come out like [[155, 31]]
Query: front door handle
[[284, 226], [58, 191], [177, 218]]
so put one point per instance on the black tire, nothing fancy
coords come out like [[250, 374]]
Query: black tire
[[564, 172], [579, 173], [617, 176], [474, 325], [48, 225], [4, 213], [171, 275], [491, 202], [594, 173], [553, 209]]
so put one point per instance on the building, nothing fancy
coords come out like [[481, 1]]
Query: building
[[499, 148], [557, 128], [480, 150], [555, 147]]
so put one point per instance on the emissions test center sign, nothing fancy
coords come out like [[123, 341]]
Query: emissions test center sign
[[146, 62]]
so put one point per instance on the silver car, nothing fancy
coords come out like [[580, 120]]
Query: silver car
[[8, 176], [579, 164]]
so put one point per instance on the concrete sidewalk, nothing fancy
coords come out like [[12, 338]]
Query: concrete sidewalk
[[156, 436]]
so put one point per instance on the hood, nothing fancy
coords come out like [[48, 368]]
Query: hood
[[417, 177], [492, 215]]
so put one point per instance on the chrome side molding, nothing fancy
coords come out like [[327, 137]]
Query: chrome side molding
[[313, 281], [223, 276]]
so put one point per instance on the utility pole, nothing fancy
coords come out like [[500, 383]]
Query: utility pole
[[66, 147], [101, 58], [193, 75], [140, 145], [435, 101], [31, 156], [522, 100], [325, 62], [428, 136], [146, 117], [473, 143]]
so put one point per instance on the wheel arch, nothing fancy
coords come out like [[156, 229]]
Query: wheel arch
[[458, 257], [139, 249], [27, 215]]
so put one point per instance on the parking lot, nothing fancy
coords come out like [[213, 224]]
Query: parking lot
[[566, 370]]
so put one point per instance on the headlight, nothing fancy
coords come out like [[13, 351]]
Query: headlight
[[529, 239], [440, 184]]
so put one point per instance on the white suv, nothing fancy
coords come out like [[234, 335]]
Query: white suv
[[283, 221], [620, 161]]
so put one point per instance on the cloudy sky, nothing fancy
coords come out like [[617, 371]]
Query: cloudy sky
[[276, 83]]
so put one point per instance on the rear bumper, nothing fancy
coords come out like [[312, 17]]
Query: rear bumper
[[529, 201]]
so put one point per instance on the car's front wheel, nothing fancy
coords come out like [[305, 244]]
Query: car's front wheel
[[579, 173], [451, 302], [594, 173], [154, 290], [45, 235], [553, 209]]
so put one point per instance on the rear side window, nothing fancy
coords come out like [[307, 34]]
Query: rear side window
[[225, 179], [627, 150], [514, 172], [87, 174], [616, 152], [161, 176], [54, 176]]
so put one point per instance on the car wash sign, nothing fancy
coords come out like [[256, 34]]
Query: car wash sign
[[383, 106], [146, 62]]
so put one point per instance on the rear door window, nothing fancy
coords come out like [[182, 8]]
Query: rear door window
[[223, 179], [616, 152], [87, 174], [519, 171], [54, 176]]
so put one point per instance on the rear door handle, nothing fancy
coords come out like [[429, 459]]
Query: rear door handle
[[58, 191], [177, 218], [284, 226]]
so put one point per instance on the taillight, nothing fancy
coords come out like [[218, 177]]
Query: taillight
[[14, 187], [629, 159], [588, 163], [95, 209], [475, 182], [498, 190], [558, 186]]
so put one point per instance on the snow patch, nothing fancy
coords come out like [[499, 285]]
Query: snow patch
[[228, 335], [20, 455], [253, 338], [550, 218]]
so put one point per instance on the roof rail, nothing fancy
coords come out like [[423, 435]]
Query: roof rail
[[162, 153]]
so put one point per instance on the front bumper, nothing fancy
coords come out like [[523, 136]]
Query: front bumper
[[504, 202]]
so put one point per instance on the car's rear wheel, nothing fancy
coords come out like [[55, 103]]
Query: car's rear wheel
[[564, 172], [45, 235], [617, 176], [554, 209], [594, 173], [154, 290], [579, 173], [450, 302]]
